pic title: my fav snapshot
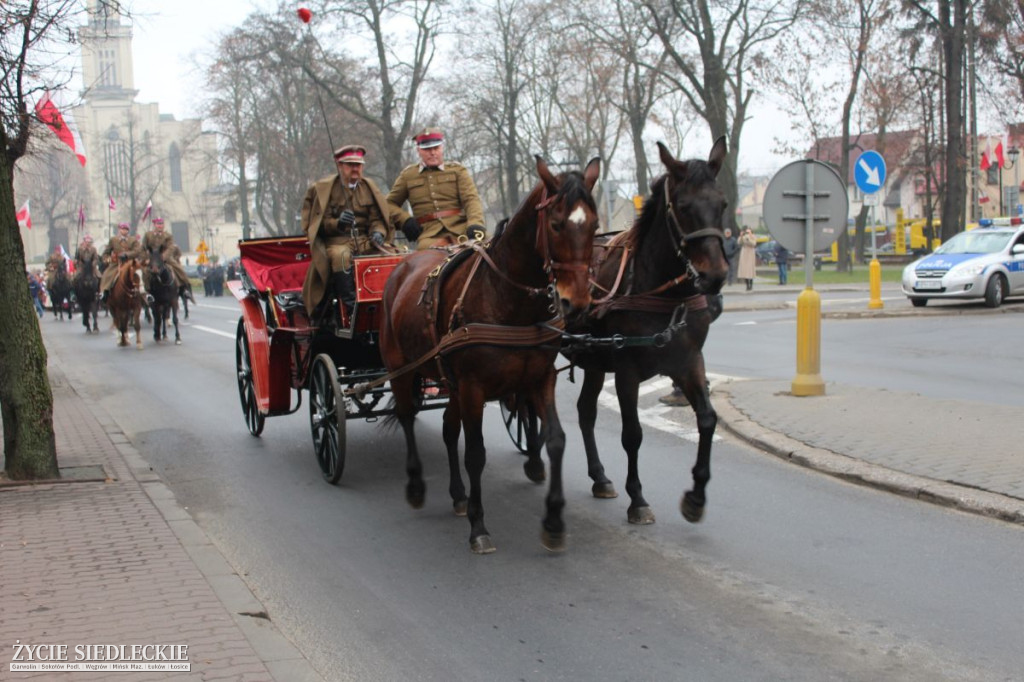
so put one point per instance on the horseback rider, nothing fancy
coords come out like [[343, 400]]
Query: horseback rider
[[163, 242], [86, 258], [54, 264], [121, 247], [442, 195], [341, 213]]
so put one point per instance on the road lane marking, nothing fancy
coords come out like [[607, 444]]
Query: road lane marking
[[208, 330]]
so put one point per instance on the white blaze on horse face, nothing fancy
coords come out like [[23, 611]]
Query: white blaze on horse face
[[578, 216]]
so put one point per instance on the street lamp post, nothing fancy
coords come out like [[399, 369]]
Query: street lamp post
[[1013, 153]]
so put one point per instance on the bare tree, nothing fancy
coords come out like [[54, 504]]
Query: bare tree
[[713, 48], [54, 182], [26, 401]]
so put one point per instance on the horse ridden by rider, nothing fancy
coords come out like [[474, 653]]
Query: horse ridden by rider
[[157, 240], [58, 283], [86, 282]]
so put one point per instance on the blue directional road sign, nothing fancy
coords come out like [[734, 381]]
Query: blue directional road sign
[[869, 172]]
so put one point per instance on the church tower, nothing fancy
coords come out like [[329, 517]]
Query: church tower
[[107, 56]]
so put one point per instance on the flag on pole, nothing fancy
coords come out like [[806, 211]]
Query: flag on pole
[[985, 157], [62, 125], [149, 209], [24, 216], [67, 260], [999, 154], [983, 198], [112, 206], [81, 217]]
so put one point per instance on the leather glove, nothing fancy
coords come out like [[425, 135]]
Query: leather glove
[[412, 229], [346, 219], [377, 238], [477, 233]]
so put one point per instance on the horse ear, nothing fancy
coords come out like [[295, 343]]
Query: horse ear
[[717, 156], [592, 172], [666, 158], [546, 177]]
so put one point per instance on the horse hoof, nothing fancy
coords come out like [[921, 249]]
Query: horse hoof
[[640, 516], [553, 542], [460, 507], [534, 470], [177, 342], [604, 491], [416, 495], [692, 511], [481, 544]]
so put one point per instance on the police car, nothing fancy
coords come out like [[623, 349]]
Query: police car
[[985, 263]]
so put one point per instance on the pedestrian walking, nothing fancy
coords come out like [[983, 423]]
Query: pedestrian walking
[[747, 268], [782, 262], [731, 248]]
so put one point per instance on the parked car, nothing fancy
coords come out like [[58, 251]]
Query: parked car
[[192, 271], [986, 263], [765, 252]]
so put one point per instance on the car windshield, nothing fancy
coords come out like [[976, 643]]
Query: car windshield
[[976, 241]]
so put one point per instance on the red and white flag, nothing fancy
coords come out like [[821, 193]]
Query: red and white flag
[[999, 154], [67, 260], [24, 216], [111, 205], [986, 157], [983, 198], [81, 217], [149, 209], [61, 124]]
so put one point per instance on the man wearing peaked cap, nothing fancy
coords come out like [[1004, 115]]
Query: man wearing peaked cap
[[158, 239], [341, 214], [443, 198], [121, 245], [86, 258]]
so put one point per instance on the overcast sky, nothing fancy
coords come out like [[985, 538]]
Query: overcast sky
[[168, 33]]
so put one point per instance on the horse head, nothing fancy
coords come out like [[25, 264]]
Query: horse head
[[158, 267], [695, 205], [566, 225]]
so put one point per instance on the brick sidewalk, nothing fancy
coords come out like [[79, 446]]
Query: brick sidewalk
[[115, 560]]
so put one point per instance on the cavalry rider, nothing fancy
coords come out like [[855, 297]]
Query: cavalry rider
[[444, 201], [121, 247], [86, 258], [163, 242], [53, 264], [341, 213]]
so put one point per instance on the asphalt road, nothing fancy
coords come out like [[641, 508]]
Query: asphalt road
[[792, 576]]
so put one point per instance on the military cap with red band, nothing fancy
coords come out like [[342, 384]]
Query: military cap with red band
[[351, 153], [428, 138]]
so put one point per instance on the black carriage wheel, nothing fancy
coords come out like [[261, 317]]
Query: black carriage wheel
[[516, 422], [327, 417], [246, 390]]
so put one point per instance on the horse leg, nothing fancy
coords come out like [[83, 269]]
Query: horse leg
[[586, 408], [627, 388], [451, 430], [552, 535], [695, 387], [138, 329], [471, 407], [405, 410], [174, 319], [533, 467]]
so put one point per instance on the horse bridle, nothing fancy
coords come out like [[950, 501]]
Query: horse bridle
[[681, 238]]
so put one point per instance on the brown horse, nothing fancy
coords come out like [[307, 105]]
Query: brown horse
[[488, 326], [654, 283], [125, 301]]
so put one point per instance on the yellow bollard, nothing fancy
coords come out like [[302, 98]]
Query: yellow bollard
[[808, 379], [875, 282]]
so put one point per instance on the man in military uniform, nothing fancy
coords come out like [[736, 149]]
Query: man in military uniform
[[445, 204], [120, 247], [162, 242], [342, 214], [86, 258], [54, 263]]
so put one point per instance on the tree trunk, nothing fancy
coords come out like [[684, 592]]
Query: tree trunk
[[26, 402]]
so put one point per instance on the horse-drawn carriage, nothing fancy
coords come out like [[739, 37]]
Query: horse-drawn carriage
[[487, 323], [280, 351]]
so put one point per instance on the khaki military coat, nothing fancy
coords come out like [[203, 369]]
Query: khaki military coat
[[315, 215], [86, 258], [162, 241], [129, 246], [433, 191]]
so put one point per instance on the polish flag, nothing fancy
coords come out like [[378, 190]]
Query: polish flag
[[81, 217], [24, 216], [67, 260], [149, 209], [985, 157], [999, 154], [62, 125], [111, 205]]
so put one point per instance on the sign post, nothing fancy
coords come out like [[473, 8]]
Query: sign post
[[805, 208], [869, 173]]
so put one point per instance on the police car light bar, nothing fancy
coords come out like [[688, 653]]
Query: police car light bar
[[1003, 222]]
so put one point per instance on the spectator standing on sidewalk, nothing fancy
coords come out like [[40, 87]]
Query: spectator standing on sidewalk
[[35, 290], [782, 262], [747, 269], [730, 247]]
